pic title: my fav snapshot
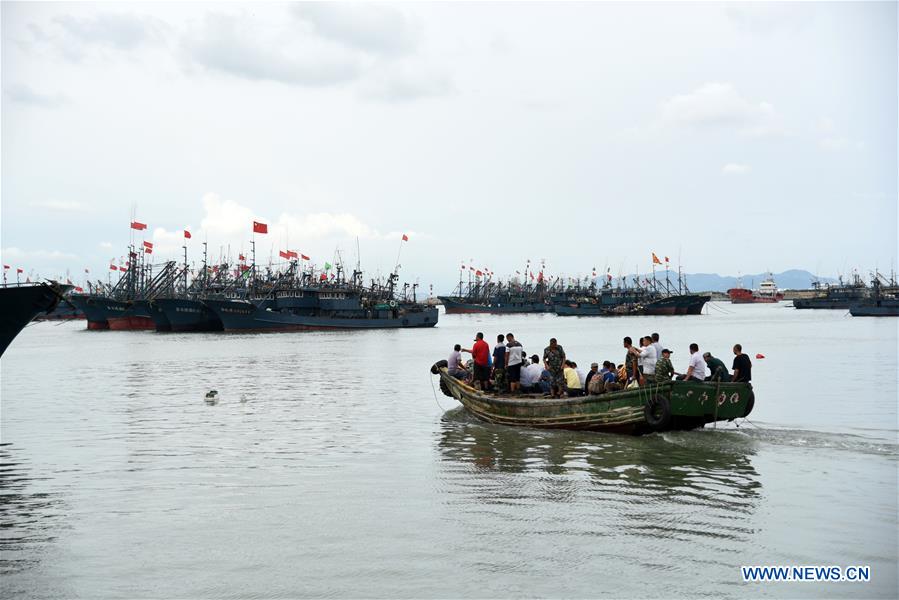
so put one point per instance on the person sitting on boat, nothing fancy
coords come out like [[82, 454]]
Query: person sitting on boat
[[530, 376], [499, 363], [664, 368], [514, 361], [717, 370], [593, 372], [630, 360], [581, 376], [610, 377], [742, 365], [572, 381], [554, 359], [454, 365], [696, 368], [480, 352], [649, 358]]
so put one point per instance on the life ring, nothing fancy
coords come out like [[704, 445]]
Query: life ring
[[392, 303], [657, 413], [750, 404], [445, 388]]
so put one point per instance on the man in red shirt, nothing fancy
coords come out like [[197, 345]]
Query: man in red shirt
[[480, 352]]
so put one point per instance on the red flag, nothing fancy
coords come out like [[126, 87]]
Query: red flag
[[666, 259], [138, 225], [259, 227], [760, 356], [532, 276], [215, 268], [304, 257], [19, 271], [186, 234], [5, 266], [244, 268], [655, 259], [148, 245], [123, 268], [323, 277], [113, 268], [478, 273], [283, 254], [79, 289], [241, 257], [292, 254], [148, 250], [405, 238]]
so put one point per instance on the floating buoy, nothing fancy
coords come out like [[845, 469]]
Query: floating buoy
[[212, 396], [760, 356]]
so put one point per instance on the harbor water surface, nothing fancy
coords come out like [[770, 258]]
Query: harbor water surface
[[333, 466]]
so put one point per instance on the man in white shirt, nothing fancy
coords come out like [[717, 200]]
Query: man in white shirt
[[649, 357], [657, 345], [514, 359], [696, 370], [530, 375], [455, 366]]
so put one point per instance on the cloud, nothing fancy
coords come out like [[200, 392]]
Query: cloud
[[322, 225], [369, 27], [720, 105], [224, 218], [405, 82], [12, 253], [238, 46], [76, 37], [23, 94], [106, 245], [831, 140], [735, 169], [65, 206]]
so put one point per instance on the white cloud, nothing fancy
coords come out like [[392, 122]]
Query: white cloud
[[65, 206], [720, 105], [76, 38], [407, 81], [23, 94], [242, 47], [106, 245], [322, 225], [735, 169], [12, 253], [373, 28], [225, 218]]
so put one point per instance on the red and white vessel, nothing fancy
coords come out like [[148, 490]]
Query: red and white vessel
[[767, 293]]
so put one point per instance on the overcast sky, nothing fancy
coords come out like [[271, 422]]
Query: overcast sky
[[737, 137]]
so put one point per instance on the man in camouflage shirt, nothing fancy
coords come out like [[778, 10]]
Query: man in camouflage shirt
[[554, 358], [664, 368], [630, 361]]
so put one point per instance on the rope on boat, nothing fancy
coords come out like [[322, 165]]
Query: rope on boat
[[435, 394]]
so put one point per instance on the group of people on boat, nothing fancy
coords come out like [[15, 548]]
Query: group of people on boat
[[508, 369]]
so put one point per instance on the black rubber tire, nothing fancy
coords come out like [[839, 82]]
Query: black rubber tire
[[435, 368], [445, 389], [657, 413], [750, 404]]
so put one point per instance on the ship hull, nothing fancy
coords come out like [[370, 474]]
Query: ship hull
[[20, 304], [456, 306], [94, 309], [821, 303], [690, 304], [128, 316], [883, 308], [240, 315], [183, 314]]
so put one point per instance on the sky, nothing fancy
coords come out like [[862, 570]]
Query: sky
[[731, 137]]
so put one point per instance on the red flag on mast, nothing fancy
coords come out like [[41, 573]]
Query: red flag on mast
[[138, 225], [405, 238], [655, 259], [304, 257], [148, 245], [186, 234], [283, 254], [259, 227]]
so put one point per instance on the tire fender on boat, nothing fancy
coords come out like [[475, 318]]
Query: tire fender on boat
[[657, 413]]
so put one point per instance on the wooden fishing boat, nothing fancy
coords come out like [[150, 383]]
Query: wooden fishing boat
[[667, 406]]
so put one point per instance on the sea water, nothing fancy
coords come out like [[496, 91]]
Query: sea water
[[331, 465]]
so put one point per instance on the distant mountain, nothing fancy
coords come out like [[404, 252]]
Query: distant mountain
[[794, 279]]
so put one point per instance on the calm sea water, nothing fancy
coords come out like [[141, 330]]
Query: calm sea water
[[331, 468]]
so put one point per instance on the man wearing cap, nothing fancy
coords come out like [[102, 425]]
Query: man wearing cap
[[717, 369], [664, 368], [594, 370], [480, 352]]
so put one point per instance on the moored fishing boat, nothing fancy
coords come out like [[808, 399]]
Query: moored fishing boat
[[20, 303], [667, 406]]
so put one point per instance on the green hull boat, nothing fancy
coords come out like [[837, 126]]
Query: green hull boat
[[666, 406]]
